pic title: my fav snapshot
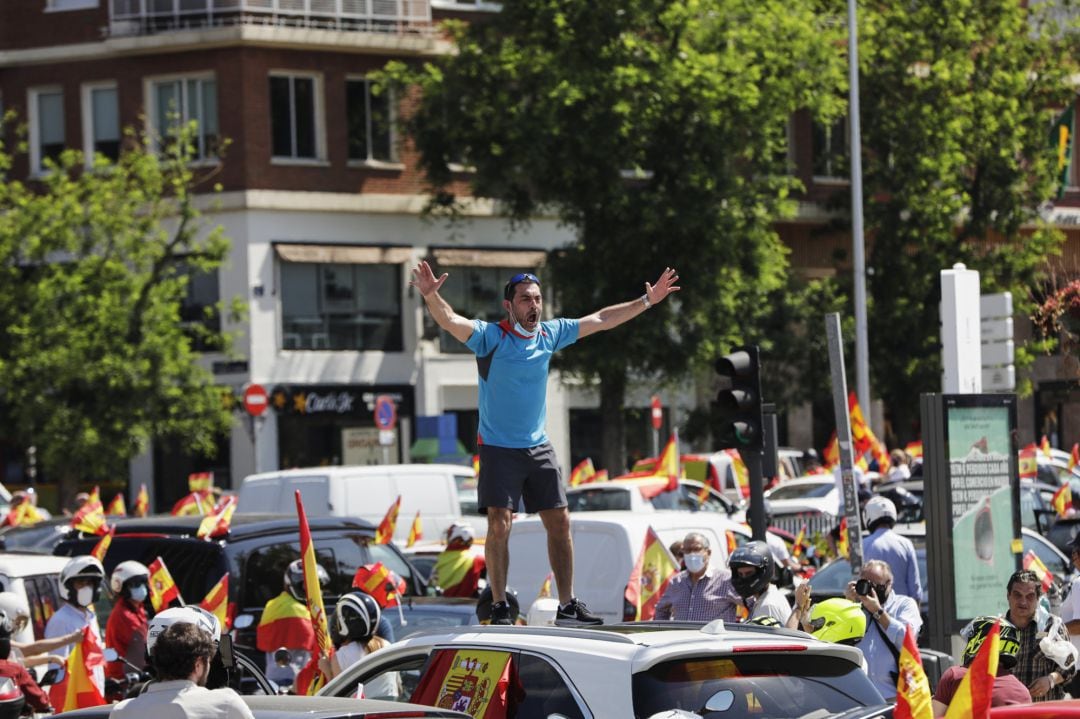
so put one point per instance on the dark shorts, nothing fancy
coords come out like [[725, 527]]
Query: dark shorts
[[508, 476]]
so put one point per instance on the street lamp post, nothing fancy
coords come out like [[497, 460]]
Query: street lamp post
[[862, 347]]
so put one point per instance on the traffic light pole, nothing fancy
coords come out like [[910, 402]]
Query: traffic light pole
[[752, 459]]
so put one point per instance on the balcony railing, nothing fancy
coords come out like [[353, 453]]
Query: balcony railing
[[145, 17]]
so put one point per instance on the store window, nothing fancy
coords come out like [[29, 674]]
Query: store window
[[177, 101], [370, 120], [341, 306], [294, 117]]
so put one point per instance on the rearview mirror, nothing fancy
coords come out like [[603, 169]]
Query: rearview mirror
[[243, 621], [721, 701]]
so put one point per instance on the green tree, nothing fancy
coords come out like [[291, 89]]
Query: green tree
[[657, 130], [958, 100], [94, 263]]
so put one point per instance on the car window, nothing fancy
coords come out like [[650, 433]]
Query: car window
[[802, 491], [467, 494], [428, 616], [44, 598], [765, 685], [597, 500], [393, 561], [1047, 556], [546, 691], [264, 571], [404, 673]]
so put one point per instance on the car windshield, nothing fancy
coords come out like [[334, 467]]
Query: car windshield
[[802, 491], [761, 685], [598, 500], [466, 488]]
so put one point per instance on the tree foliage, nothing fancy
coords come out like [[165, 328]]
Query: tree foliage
[[657, 130], [958, 99], [94, 264]]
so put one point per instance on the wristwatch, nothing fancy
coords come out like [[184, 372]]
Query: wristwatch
[[878, 613]]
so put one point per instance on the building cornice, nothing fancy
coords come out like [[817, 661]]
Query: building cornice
[[292, 38], [366, 203]]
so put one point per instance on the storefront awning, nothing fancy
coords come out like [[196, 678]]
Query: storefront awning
[[343, 254], [524, 259]]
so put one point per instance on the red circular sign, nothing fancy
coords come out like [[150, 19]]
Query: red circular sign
[[255, 399], [657, 413]]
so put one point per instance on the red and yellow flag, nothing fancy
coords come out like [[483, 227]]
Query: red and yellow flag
[[1074, 457], [142, 503], [217, 523], [481, 682], [582, 472], [381, 583], [651, 574], [1029, 466], [799, 546], [193, 504], [545, 587], [1062, 500], [91, 516], [163, 589], [972, 698], [117, 506], [23, 515], [313, 590], [668, 464], [913, 697], [730, 541], [285, 622], [216, 601], [101, 548], [416, 531], [830, 456], [842, 546], [84, 658], [914, 449], [1034, 564], [742, 474], [703, 494], [476, 464], [1044, 445], [384, 533], [201, 482], [600, 476]]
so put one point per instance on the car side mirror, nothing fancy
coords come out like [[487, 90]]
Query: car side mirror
[[721, 701], [243, 621], [110, 654]]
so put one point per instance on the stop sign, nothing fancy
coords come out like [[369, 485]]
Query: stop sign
[[657, 413], [255, 399]]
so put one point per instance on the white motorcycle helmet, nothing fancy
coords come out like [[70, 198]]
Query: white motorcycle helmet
[[463, 533], [542, 612], [175, 615], [126, 571], [84, 567], [878, 508], [15, 606]]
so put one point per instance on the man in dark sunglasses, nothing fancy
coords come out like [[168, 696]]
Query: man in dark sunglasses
[[517, 462]]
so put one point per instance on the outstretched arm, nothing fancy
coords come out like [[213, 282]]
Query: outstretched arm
[[615, 315], [425, 281]]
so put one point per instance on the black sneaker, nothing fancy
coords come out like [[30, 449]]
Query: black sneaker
[[500, 614], [576, 614]]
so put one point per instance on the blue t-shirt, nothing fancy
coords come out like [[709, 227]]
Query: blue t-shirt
[[513, 372]]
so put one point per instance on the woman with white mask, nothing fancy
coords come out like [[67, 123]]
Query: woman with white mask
[[80, 586], [126, 630]]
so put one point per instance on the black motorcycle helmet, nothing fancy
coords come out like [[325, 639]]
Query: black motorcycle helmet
[[356, 616], [758, 556]]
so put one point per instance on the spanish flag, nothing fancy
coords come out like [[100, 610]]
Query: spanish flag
[[193, 504], [285, 622], [90, 518], [384, 533], [830, 456], [1044, 445], [914, 449], [117, 506], [1074, 457], [163, 589], [582, 472], [650, 577], [600, 476], [668, 464], [216, 601], [24, 515], [742, 474], [142, 503], [913, 697], [1032, 563], [381, 583], [416, 531], [1062, 500], [217, 523], [81, 689], [1029, 465], [201, 482], [799, 547], [842, 546], [482, 680], [101, 548], [313, 590], [972, 698]]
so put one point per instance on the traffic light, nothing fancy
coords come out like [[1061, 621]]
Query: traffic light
[[738, 405]]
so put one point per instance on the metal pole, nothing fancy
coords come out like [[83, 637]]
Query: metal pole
[[862, 345]]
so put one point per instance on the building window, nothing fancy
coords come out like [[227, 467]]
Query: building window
[[831, 149], [200, 314], [101, 122], [341, 306], [63, 5], [177, 101], [46, 126], [370, 122], [295, 117], [475, 292]]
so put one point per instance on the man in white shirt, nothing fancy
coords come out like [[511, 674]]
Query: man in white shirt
[[80, 586], [181, 655], [752, 568]]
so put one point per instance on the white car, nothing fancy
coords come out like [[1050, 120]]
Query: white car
[[638, 670], [649, 494], [812, 501]]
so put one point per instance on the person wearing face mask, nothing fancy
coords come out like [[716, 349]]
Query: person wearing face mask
[[699, 593], [126, 630], [182, 643], [888, 616], [517, 462], [80, 586]]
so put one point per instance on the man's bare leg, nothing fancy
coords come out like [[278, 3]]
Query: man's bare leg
[[560, 550], [497, 551]]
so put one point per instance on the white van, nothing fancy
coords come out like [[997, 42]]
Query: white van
[[442, 493], [606, 547]]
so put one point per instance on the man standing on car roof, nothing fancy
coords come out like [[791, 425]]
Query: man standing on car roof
[[516, 459]]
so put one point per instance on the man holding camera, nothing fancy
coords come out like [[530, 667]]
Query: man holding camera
[[888, 616]]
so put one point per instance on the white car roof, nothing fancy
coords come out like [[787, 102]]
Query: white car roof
[[658, 520], [29, 565], [361, 469]]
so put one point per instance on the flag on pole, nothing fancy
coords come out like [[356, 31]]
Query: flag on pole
[[117, 506], [742, 473], [830, 456], [668, 464], [313, 590], [1062, 499], [90, 518], [216, 601], [582, 472], [1034, 564], [1044, 445], [217, 523], [914, 449], [101, 548], [799, 547], [972, 698], [195, 503], [545, 587], [201, 482], [416, 531], [651, 574], [384, 533], [85, 656], [1029, 466], [163, 589], [142, 503], [913, 697], [1074, 457], [1061, 139]]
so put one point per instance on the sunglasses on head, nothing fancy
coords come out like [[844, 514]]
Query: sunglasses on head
[[508, 292]]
